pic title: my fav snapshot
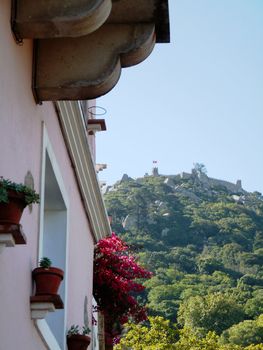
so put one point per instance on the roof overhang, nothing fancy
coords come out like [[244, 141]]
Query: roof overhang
[[58, 18], [89, 66], [143, 11]]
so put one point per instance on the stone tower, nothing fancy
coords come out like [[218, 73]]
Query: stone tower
[[155, 171]]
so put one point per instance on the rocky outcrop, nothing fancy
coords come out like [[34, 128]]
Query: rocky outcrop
[[207, 182], [187, 193]]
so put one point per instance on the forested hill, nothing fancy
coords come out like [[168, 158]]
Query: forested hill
[[203, 240]]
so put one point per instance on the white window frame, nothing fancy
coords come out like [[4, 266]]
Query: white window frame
[[42, 325]]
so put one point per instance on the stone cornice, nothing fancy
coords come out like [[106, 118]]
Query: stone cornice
[[143, 11], [90, 66], [73, 128], [58, 18], [82, 45]]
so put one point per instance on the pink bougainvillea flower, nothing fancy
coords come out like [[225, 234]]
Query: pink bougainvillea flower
[[115, 275]]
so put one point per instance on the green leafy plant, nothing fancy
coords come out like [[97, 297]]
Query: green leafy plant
[[75, 329], [45, 262], [6, 185], [158, 333]]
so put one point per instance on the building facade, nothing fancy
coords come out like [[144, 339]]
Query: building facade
[[53, 53]]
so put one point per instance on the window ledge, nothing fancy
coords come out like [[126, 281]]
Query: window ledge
[[6, 240], [40, 310], [96, 125], [10, 235], [41, 305]]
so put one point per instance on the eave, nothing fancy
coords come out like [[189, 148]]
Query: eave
[[75, 134], [57, 18], [89, 66], [143, 11]]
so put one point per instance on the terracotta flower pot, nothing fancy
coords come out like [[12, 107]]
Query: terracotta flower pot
[[78, 342], [47, 280], [10, 213]]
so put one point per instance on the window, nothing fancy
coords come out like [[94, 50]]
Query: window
[[53, 237]]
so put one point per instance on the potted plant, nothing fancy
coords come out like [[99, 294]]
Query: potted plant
[[47, 278], [78, 339], [13, 199]]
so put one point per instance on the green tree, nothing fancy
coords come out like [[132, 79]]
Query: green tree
[[190, 340], [200, 168], [158, 335], [213, 312], [244, 333], [197, 240], [164, 300], [254, 347]]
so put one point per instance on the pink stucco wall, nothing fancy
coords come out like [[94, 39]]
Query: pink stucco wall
[[21, 151]]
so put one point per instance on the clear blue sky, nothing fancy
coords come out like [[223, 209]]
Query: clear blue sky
[[197, 99]]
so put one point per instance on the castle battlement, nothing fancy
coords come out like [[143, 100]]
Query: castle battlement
[[209, 181]]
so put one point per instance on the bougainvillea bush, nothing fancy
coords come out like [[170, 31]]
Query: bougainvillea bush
[[116, 275]]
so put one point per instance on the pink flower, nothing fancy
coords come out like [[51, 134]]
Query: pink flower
[[115, 275]]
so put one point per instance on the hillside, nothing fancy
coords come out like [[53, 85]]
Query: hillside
[[203, 240]]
